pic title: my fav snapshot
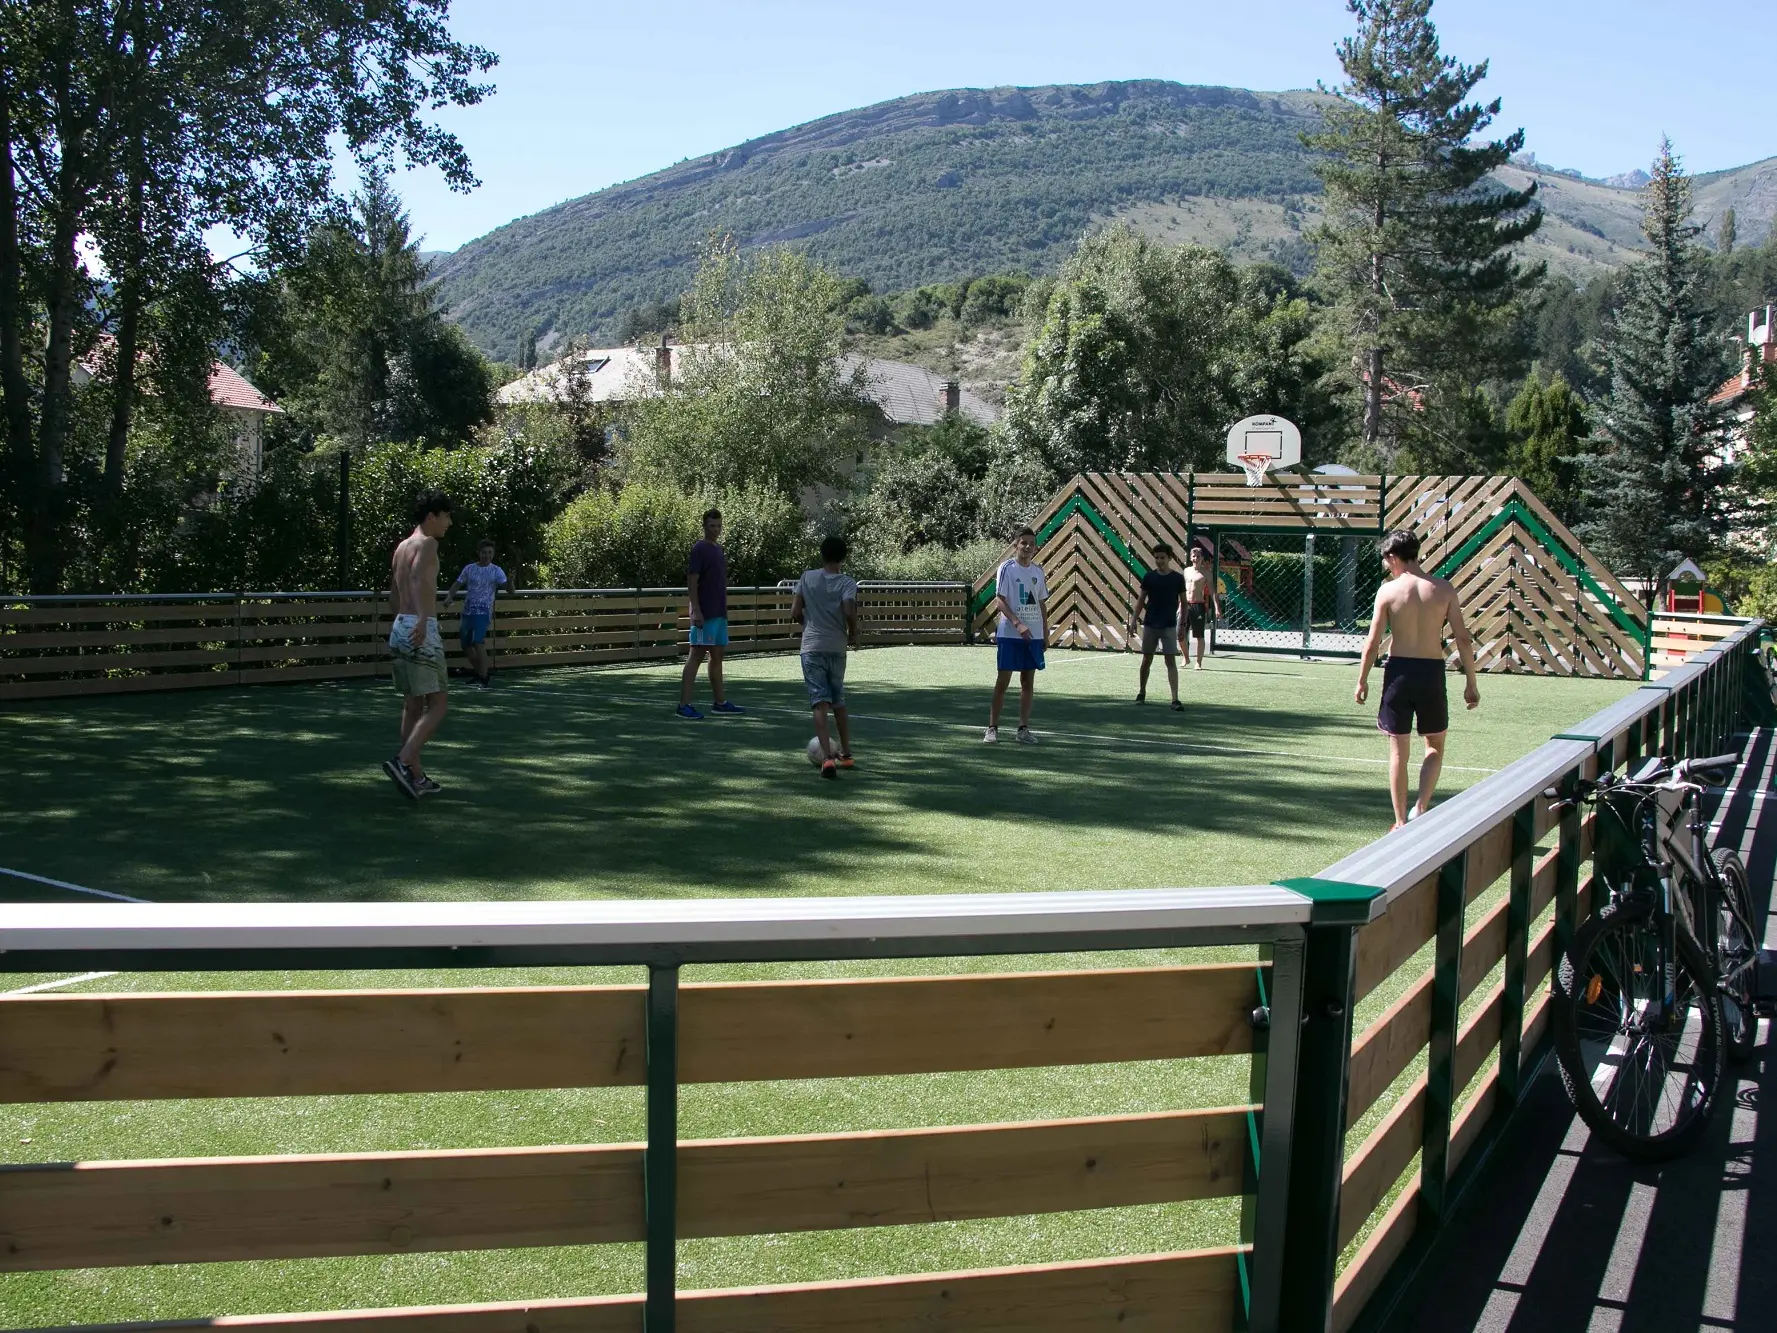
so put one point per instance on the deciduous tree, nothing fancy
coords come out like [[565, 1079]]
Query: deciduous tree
[[758, 396], [134, 126], [1148, 352]]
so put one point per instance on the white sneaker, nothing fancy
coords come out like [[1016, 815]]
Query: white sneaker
[[1025, 737], [990, 736]]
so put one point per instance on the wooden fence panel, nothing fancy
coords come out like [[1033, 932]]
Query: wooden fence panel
[[1150, 1293], [45, 647], [123, 645], [140, 1045], [205, 1210]]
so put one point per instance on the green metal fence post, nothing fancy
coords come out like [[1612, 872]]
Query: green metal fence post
[[1307, 593], [1446, 1015], [1317, 1136], [1277, 1030], [660, 1173], [1215, 582], [1511, 1020], [1567, 879]]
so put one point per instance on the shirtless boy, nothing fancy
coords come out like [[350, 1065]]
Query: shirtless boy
[[413, 639], [1412, 608], [1201, 602]]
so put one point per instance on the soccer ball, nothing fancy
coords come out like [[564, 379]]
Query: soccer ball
[[816, 755]]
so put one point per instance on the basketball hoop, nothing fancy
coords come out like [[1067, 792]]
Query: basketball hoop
[[1256, 465]]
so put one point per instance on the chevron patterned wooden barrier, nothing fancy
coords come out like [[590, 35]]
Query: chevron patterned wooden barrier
[[1536, 599]]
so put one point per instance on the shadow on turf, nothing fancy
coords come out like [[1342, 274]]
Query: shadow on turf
[[244, 797]]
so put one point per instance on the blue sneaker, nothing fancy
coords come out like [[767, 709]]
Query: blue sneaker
[[687, 711], [731, 709]]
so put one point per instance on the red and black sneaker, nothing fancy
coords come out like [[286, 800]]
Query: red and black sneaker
[[829, 768], [845, 761]]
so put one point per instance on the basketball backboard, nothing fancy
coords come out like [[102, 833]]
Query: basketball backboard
[[1264, 444]]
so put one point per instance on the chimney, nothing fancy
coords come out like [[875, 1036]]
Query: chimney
[[950, 397], [663, 364]]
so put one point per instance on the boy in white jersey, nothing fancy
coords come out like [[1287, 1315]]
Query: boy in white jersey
[[826, 606], [1022, 633], [482, 578]]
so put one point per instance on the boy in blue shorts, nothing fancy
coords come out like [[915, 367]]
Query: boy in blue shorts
[[1022, 598], [826, 606], [706, 583], [482, 579]]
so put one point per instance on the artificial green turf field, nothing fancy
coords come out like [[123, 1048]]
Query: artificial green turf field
[[582, 783]]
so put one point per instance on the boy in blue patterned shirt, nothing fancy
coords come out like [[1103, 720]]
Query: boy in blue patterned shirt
[[482, 579]]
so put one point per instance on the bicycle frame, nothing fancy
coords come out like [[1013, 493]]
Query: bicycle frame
[[1657, 814]]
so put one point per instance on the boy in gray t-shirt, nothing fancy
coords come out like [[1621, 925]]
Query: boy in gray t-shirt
[[826, 606]]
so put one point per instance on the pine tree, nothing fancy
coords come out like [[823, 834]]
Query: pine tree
[[1416, 249], [1548, 424], [1650, 481]]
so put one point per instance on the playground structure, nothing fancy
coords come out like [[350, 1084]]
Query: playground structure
[[1324, 944], [1296, 566]]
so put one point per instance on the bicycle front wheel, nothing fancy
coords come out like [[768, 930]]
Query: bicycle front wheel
[[1641, 1053], [1737, 953]]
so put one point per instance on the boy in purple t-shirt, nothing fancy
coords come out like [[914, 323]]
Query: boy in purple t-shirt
[[707, 586]]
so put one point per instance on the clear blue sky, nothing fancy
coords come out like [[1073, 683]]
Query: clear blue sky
[[592, 94]]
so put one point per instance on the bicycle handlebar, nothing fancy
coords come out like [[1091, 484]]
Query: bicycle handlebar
[[1693, 767], [1686, 770]]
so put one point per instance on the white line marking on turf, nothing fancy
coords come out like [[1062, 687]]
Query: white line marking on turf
[[935, 723], [65, 981], [75, 888]]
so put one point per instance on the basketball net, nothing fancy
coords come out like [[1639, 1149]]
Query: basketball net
[[1256, 465]]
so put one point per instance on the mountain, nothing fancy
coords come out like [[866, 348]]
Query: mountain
[[944, 185]]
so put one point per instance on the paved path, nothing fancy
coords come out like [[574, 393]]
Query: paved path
[[1568, 1237]]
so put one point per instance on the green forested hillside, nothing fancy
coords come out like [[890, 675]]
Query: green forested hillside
[[939, 186], [922, 189]]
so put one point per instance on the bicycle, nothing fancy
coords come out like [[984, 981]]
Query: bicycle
[[1656, 990]]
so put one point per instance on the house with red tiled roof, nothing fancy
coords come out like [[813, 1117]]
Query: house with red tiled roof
[[243, 408], [1735, 397], [246, 410]]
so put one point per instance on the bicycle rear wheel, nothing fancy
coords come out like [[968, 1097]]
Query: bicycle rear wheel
[[1643, 1075], [1736, 949]]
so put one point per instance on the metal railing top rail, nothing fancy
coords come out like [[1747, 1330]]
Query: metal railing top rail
[[65, 598], [1403, 858], [236, 937]]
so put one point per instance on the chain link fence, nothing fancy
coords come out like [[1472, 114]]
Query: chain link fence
[[1293, 592]]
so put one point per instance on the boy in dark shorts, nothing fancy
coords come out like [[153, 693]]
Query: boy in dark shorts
[[1200, 601], [826, 606], [1157, 611], [1412, 608]]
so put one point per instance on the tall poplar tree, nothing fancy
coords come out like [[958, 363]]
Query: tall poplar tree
[[1416, 250], [1650, 482]]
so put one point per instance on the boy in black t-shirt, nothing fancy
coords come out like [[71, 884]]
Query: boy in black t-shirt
[[1157, 609]]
